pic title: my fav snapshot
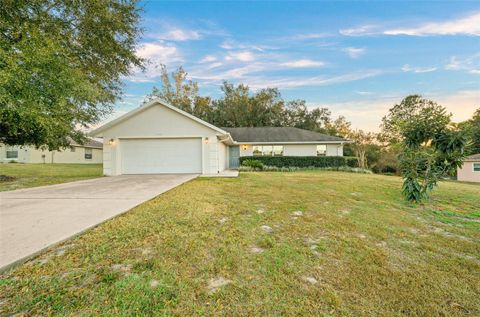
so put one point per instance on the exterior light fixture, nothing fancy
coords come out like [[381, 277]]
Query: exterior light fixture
[[244, 147], [110, 142], [206, 140]]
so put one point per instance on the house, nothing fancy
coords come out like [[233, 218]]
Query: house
[[470, 171], [88, 153], [159, 138]]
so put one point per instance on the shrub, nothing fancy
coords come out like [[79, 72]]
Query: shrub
[[254, 164], [303, 161], [267, 168]]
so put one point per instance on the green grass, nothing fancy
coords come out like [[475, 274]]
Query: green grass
[[371, 253], [32, 175]]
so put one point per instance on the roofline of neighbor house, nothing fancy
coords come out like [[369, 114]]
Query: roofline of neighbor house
[[99, 130]]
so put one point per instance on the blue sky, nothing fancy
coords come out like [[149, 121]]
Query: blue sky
[[356, 58]]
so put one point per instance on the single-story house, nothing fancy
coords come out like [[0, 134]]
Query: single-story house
[[89, 153], [159, 138], [470, 171]]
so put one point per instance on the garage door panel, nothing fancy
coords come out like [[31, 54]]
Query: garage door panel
[[158, 156]]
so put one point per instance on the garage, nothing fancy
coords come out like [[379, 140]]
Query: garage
[[161, 156]]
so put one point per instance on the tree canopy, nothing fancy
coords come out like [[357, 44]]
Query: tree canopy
[[61, 64], [431, 147], [239, 106]]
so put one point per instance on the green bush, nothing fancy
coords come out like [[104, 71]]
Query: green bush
[[267, 168], [303, 161], [254, 164]]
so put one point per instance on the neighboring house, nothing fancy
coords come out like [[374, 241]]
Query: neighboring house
[[470, 171], [89, 153], [160, 138]]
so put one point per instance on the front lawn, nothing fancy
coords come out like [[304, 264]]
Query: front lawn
[[32, 175], [267, 244]]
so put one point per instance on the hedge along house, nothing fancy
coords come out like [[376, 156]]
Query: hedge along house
[[158, 138]]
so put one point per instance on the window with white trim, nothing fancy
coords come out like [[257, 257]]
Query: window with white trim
[[11, 153], [88, 153], [268, 150], [321, 150], [476, 167]]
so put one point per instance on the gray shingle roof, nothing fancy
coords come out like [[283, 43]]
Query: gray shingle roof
[[473, 158], [89, 143], [279, 134]]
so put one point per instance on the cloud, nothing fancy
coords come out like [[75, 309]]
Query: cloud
[[470, 64], [359, 31], [364, 93], [310, 36], [156, 53], [230, 44], [208, 59], [242, 56], [354, 52], [301, 63], [409, 69], [180, 35], [315, 81], [468, 25]]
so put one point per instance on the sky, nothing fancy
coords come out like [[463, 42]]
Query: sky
[[356, 58]]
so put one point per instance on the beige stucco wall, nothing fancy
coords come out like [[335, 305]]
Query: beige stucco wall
[[298, 150], [222, 157], [161, 122], [32, 155], [466, 173]]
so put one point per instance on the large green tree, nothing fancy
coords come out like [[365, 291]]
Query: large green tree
[[61, 64], [416, 108], [472, 129], [431, 148]]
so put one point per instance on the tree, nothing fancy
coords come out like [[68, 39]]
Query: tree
[[416, 108], [61, 64], [361, 142], [339, 127], [472, 129], [430, 147], [176, 89], [299, 116]]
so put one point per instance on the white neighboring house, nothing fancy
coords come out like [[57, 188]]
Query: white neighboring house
[[158, 138], [89, 153], [470, 171]]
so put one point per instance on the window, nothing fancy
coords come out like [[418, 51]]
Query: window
[[321, 150], [88, 153], [476, 167], [268, 150], [278, 150], [72, 149], [12, 153], [257, 150]]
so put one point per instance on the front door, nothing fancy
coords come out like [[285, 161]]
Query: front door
[[233, 157]]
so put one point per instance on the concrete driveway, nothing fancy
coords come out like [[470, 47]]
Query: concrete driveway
[[35, 218]]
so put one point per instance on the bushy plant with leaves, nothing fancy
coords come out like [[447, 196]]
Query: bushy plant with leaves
[[430, 151], [254, 164]]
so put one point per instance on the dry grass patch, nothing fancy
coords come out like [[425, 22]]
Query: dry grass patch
[[355, 248]]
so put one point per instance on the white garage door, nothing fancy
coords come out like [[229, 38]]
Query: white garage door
[[157, 156]]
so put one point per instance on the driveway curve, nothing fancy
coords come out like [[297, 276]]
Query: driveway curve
[[33, 219]]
